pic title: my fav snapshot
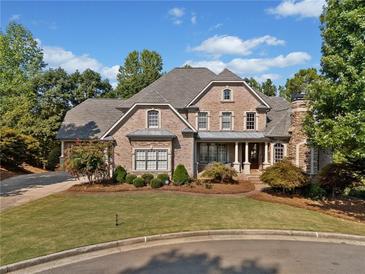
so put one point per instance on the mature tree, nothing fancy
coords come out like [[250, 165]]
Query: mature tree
[[300, 83], [20, 59], [88, 84], [138, 71], [253, 83], [268, 88], [337, 101]]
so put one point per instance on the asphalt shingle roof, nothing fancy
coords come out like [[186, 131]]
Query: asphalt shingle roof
[[151, 133], [90, 119], [230, 135]]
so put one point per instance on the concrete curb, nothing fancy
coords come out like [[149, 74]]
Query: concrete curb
[[227, 232]]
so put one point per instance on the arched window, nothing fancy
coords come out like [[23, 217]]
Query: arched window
[[227, 95], [153, 119], [278, 152]]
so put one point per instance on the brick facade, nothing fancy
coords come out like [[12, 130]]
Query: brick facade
[[243, 101], [181, 147]]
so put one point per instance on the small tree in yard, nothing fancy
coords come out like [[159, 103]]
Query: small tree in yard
[[335, 177], [181, 175], [284, 175], [219, 172], [88, 159]]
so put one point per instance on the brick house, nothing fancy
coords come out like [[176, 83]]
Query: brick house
[[192, 116]]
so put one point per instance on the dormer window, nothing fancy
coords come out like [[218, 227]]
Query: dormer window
[[153, 119], [227, 95]]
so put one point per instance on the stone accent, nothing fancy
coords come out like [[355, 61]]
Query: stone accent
[[243, 101], [181, 148], [299, 152]]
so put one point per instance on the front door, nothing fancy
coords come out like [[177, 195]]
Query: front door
[[253, 155]]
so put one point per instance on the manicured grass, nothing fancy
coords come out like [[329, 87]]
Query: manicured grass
[[69, 220]]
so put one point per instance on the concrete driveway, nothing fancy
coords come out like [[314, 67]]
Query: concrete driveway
[[24, 188], [228, 256]]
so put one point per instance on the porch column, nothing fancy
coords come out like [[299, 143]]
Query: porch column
[[246, 164], [266, 160], [236, 163], [62, 157]]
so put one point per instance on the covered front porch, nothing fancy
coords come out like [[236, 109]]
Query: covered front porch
[[247, 152]]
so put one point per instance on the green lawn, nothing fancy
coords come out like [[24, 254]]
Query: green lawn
[[69, 220]]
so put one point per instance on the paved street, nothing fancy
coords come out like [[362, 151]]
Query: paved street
[[229, 256]]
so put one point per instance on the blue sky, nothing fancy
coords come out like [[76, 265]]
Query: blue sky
[[252, 38]]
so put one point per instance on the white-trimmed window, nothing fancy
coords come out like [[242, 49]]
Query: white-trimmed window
[[210, 152], [151, 159], [203, 120], [278, 152], [227, 95], [226, 120], [250, 120], [153, 119]]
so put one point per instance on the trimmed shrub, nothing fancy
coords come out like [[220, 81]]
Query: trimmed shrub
[[156, 183], [129, 178], [314, 191], [163, 177], [284, 176], [138, 182], [119, 174], [219, 172], [53, 158], [181, 175], [147, 177]]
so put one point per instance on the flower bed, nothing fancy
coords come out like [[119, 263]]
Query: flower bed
[[240, 187]]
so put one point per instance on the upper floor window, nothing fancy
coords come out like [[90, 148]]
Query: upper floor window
[[226, 120], [250, 120], [203, 120], [227, 95], [278, 152], [152, 119]]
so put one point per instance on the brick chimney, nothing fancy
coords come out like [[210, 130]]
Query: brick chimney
[[299, 151]]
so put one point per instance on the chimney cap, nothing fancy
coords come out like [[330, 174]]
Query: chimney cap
[[297, 96]]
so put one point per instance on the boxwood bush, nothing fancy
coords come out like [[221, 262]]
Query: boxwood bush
[[156, 183], [119, 174], [138, 182], [284, 176], [147, 177], [163, 177], [181, 175], [219, 172], [129, 178]]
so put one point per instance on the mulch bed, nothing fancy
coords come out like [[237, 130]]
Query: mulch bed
[[8, 172], [240, 187], [346, 208]]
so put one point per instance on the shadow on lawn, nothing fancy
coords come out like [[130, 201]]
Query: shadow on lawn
[[177, 262]]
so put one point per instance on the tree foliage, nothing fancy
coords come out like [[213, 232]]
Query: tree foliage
[[138, 71], [267, 87], [34, 101], [284, 175], [88, 159], [337, 120], [300, 83], [15, 147]]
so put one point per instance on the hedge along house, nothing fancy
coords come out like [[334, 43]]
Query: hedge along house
[[192, 116]]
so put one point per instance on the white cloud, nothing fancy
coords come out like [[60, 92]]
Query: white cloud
[[225, 44], [193, 19], [264, 77], [216, 26], [58, 57], [176, 14], [302, 8], [253, 65], [14, 17]]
